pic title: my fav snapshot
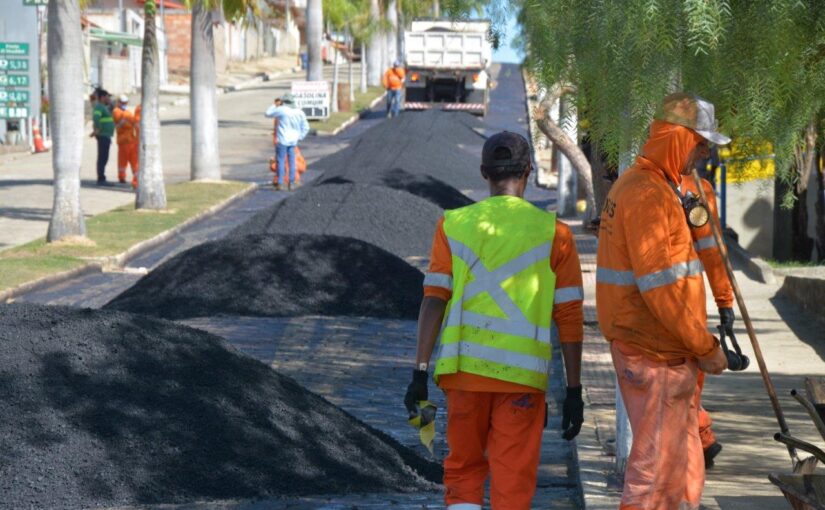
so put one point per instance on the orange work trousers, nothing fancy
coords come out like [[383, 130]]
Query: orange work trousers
[[127, 155], [705, 432], [666, 469], [497, 434]]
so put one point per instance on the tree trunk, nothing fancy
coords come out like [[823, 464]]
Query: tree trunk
[[392, 35], [363, 68], [351, 46], [151, 193], [206, 161], [567, 146], [314, 32], [598, 171], [374, 69], [436, 9], [65, 58], [334, 106]]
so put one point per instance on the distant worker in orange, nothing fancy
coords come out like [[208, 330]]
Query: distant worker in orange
[[502, 272], [650, 300], [126, 124], [711, 257], [394, 83]]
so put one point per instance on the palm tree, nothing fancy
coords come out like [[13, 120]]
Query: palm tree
[[392, 34], [314, 33], [203, 98], [206, 163], [151, 193], [65, 56], [374, 69]]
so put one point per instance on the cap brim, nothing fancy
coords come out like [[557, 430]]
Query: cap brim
[[713, 136]]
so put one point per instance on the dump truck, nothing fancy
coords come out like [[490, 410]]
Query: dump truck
[[447, 65]]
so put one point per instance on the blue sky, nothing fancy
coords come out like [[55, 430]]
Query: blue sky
[[505, 53]]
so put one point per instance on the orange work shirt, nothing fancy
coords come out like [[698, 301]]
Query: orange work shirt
[[394, 78], [125, 124], [567, 316]]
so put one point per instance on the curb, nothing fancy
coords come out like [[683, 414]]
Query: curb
[[120, 260], [754, 266], [260, 78], [805, 292], [47, 281], [352, 120]]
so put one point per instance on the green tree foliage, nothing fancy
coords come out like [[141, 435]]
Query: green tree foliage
[[762, 62]]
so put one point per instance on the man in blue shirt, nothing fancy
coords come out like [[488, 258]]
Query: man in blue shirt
[[292, 128]]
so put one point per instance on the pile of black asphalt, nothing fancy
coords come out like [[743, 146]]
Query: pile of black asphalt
[[103, 408], [427, 187], [278, 275], [444, 146], [393, 220]]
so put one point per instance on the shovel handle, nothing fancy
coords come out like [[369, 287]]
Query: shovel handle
[[716, 228]]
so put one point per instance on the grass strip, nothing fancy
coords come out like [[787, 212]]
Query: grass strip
[[112, 232], [337, 119]]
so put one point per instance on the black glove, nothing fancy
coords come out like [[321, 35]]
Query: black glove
[[416, 391], [572, 414], [726, 316]]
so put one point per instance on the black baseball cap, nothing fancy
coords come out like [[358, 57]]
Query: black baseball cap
[[516, 145]]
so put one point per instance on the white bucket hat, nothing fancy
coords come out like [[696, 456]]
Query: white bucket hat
[[692, 112]]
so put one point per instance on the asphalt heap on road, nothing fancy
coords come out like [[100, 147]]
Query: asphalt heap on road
[[247, 274], [103, 408], [110, 408], [432, 154], [278, 276]]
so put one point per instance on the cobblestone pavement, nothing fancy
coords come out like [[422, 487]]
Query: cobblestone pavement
[[365, 368]]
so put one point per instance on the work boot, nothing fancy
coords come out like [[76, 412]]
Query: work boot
[[277, 186], [294, 185], [710, 452]]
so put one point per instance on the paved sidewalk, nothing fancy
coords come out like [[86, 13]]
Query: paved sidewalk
[[744, 423], [245, 147]]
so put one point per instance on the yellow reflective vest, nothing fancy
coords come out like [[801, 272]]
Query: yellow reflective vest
[[499, 317]]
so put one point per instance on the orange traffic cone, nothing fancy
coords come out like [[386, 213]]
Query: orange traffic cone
[[38, 140]]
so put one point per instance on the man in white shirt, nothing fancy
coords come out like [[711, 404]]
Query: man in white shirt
[[292, 128]]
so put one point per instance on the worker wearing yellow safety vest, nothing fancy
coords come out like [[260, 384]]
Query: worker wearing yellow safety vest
[[502, 271]]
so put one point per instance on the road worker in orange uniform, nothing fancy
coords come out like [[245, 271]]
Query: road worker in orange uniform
[[711, 257], [501, 273], [393, 81], [650, 300], [126, 124]]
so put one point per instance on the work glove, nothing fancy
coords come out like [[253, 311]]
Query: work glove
[[572, 413], [416, 391], [726, 316]]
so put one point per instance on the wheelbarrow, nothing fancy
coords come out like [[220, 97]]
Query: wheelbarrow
[[804, 489]]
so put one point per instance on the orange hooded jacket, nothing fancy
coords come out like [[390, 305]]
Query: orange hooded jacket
[[705, 245], [650, 293]]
